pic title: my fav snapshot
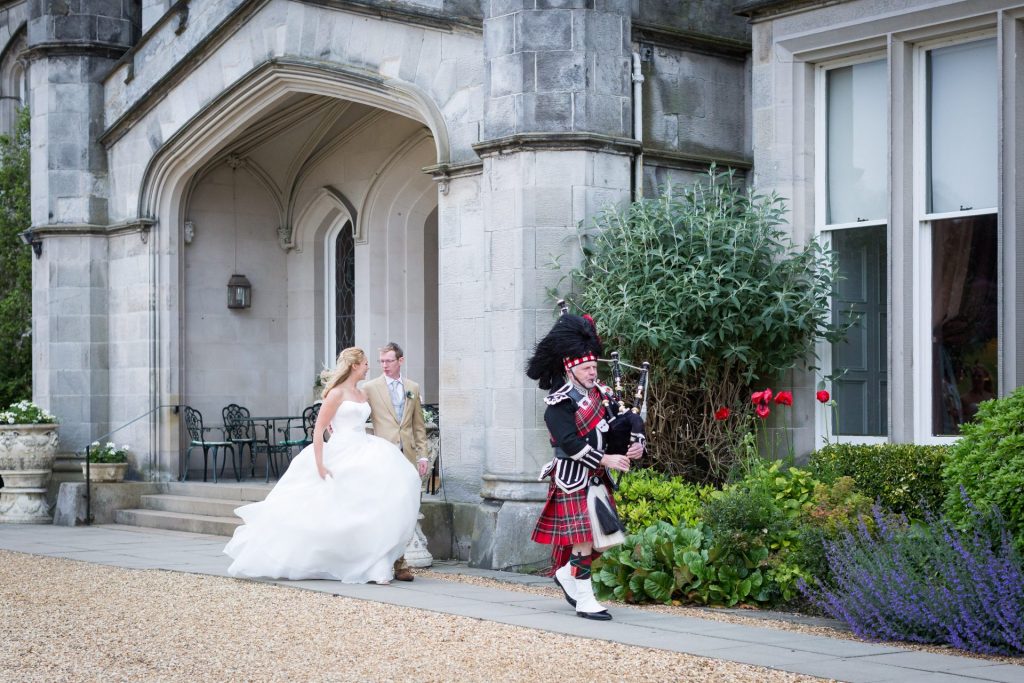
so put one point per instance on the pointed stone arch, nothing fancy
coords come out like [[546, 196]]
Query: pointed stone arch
[[321, 219], [257, 92], [163, 188]]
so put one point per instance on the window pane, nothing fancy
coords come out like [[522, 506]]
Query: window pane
[[964, 317], [962, 127], [345, 289], [860, 362], [857, 139]]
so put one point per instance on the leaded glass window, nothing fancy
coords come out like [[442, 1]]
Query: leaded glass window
[[344, 289]]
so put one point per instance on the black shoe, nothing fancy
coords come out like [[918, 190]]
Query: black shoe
[[603, 615], [564, 592]]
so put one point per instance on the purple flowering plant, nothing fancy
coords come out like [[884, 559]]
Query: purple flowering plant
[[928, 582]]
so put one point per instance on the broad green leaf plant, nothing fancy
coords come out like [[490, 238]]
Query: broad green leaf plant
[[704, 283]]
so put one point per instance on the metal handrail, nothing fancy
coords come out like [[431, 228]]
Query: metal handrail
[[88, 480]]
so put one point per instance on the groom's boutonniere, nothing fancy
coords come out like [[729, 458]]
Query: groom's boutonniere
[[408, 395]]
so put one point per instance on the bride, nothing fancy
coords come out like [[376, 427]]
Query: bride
[[343, 510]]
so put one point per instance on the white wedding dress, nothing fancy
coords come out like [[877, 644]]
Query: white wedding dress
[[349, 528]]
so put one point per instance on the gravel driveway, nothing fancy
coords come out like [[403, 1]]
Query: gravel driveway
[[70, 621]]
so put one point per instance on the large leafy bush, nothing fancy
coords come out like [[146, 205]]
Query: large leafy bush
[[928, 583], [988, 463], [15, 266], [904, 478], [704, 283], [753, 541], [646, 497]]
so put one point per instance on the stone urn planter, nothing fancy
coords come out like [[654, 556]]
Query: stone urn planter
[[27, 452], [106, 472]]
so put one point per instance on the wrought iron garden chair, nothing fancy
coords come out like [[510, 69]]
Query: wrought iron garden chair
[[241, 431], [433, 413], [197, 436], [308, 422]]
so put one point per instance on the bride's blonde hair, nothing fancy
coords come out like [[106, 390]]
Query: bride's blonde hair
[[346, 359]]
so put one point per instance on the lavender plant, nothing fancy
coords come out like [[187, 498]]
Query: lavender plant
[[928, 582]]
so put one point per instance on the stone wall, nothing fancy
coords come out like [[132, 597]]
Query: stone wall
[[13, 65], [695, 58]]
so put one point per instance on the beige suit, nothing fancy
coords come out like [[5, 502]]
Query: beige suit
[[412, 432]]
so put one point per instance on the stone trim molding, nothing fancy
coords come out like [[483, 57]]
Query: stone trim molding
[[687, 40], [515, 487], [692, 162], [328, 198], [370, 198], [443, 173], [143, 226], [110, 51], [207, 43], [405, 15], [758, 10], [591, 142], [274, 77], [12, 41]]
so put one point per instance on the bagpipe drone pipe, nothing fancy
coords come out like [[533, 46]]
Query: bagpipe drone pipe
[[626, 414]]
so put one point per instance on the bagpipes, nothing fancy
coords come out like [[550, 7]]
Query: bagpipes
[[625, 420], [626, 417]]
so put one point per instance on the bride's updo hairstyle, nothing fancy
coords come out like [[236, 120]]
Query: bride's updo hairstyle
[[346, 359]]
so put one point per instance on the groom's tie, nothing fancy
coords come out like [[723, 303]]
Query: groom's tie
[[397, 397]]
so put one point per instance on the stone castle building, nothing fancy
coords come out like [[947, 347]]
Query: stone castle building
[[409, 170]]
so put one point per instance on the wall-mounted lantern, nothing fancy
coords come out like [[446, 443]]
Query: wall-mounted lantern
[[29, 238], [239, 292]]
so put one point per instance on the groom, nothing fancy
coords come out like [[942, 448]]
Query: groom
[[396, 416]]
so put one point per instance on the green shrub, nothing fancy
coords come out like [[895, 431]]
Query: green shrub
[[15, 265], [988, 463], [836, 509], [704, 282], [749, 543], [664, 564], [646, 497], [904, 478], [763, 509]]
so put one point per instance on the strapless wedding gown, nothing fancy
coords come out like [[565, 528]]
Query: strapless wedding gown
[[349, 528]]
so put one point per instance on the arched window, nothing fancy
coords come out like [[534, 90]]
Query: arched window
[[344, 274]]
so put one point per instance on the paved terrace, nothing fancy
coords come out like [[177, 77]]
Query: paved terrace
[[845, 660]]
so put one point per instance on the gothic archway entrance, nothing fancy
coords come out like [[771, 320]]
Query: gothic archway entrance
[[321, 202]]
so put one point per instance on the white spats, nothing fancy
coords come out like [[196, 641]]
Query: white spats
[[587, 605]]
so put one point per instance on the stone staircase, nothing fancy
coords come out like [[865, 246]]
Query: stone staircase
[[200, 508]]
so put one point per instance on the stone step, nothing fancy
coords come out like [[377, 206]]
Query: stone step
[[178, 521], [246, 491], [193, 505]]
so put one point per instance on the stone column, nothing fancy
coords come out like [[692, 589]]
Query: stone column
[[556, 151], [71, 47]]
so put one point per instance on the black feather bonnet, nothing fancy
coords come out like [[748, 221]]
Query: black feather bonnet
[[573, 340]]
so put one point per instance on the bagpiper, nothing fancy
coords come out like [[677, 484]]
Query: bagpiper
[[579, 515]]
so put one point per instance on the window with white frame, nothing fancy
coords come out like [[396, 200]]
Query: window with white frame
[[957, 236], [852, 220]]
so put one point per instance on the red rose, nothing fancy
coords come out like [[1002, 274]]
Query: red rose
[[763, 410], [757, 397], [722, 414], [767, 394], [784, 398], [822, 396]]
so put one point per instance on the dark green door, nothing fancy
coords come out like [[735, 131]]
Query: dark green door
[[861, 390]]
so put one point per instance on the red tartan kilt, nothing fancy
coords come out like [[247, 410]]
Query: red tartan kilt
[[565, 519]]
